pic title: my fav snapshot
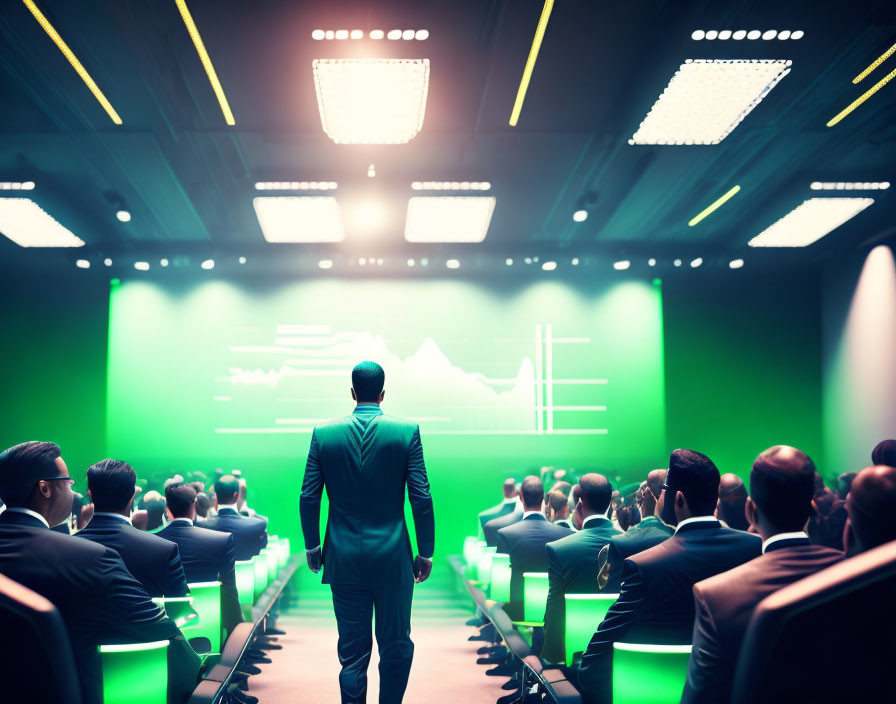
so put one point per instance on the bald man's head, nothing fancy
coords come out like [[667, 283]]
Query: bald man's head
[[782, 483], [532, 493], [595, 492], [509, 488], [871, 506], [732, 500], [884, 453]]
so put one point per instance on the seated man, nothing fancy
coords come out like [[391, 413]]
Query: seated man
[[525, 542], [656, 602], [572, 561], [250, 535], [98, 599], [732, 502], [559, 507], [884, 453], [781, 489], [490, 529], [871, 505], [207, 555], [510, 504], [154, 561]]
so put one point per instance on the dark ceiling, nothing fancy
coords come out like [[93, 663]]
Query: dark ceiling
[[188, 178]]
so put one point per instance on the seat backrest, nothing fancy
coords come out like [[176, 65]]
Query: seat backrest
[[584, 612], [824, 638], [207, 603], [535, 596], [649, 673], [37, 654], [260, 564], [135, 672], [484, 566], [499, 581], [245, 581]]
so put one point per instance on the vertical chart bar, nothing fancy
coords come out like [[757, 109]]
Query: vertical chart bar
[[549, 375], [539, 382]]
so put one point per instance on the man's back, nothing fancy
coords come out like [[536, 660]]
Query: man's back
[[649, 532], [491, 528], [502, 509], [250, 535]]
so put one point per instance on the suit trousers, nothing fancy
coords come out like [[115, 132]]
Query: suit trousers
[[355, 607]]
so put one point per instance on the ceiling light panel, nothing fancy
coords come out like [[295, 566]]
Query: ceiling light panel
[[16, 185], [451, 185], [707, 98], [448, 219], [371, 101], [849, 185], [299, 219], [810, 221], [769, 34], [28, 225]]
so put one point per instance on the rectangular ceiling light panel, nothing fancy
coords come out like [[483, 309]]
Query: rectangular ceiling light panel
[[371, 101], [810, 221], [28, 225], [299, 219], [707, 98], [448, 219]]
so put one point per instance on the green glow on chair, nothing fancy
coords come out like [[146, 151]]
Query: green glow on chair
[[535, 596], [207, 602], [584, 612], [136, 672], [484, 566], [260, 565], [649, 674], [475, 551], [273, 561], [499, 581], [179, 609], [245, 581]]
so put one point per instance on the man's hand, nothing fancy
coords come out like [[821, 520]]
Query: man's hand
[[422, 569], [314, 559]]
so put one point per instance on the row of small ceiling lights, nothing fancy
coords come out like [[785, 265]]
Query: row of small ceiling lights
[[393, 34], [849, 186], [752, 35]]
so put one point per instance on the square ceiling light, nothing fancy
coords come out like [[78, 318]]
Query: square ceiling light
[[707, 98], [810, 221], [448, 219], [299, 219], [371, 101], [28, 225]]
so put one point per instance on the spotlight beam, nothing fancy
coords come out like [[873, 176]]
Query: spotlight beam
[[712, 208], [874, 64], [862, 98], [530, 62]]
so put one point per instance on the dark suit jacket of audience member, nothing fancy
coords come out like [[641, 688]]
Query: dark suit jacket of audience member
[[525, 542], [490, 529], [572, 569], [725, 602], [154, 561], [502, 509], [249, 534], [649, 532], [208, 556], [98, 599], [656, 602]]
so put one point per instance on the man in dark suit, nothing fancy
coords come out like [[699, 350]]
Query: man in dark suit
[[781, 488], [367, 461], [98, 599], [656, 603], [732, 502], [207, 555], [490, 529], [154, 561], [525, 542], [645, 534], [510, 504], [250, 534], [572, 561], [871, 509]]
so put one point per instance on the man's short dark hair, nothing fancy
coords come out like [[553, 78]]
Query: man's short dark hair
[[694, 475], [203, 503], [557, 500], [563, 487], [22, 466], [227, 488], [884, 453], [782, 484], [844, 483], [532, 492], [732, 500], [596, 492], [179, 498], [111, 483], [368, 379]]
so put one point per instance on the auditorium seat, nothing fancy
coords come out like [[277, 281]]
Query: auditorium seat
[[245, 583], [260, 569], [649, 674], [207, 603], [584, 612], [827, 637], [535, 597], [484, 565], [499, 579], [135, 672], [179, 609]]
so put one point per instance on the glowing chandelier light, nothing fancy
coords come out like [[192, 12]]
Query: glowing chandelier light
[[810, 221], [299, 218], [371, 101], [28, 225], [448, 218]]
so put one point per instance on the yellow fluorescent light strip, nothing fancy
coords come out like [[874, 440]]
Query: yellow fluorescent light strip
[[877, 62], [862, 98], [206, 61], [73, 60], [721, 201], [530, 62]]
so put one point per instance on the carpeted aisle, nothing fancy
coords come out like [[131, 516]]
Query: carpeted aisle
[[306, 669]]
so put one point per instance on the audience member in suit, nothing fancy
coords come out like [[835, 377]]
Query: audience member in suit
[[828, 519], [525, 542], [884, 453], [559, 507], [249, 534], [656, 603], [98, 599], [203, 503], [732, 502], [207, 555], [650, 531], [490, 529], [844, 483], [781, 489], [871, 506], [572, 561], [154, 561], [510, 504], [154, 505]]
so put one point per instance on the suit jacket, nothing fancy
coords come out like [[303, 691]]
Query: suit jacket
[[502, 509], [525, 542], [154, 561], [98, 599], [656, 604], [572, 569], [366, 461], [724, 604], [490, 529], [250, 535], [649, 532], [208, 556]]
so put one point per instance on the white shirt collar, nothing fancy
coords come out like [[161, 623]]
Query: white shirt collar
[[595, 517], [529, 513], [182, 520], [33, 514], [696, 519], [784, 536], [114, 515], [230, 506]]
